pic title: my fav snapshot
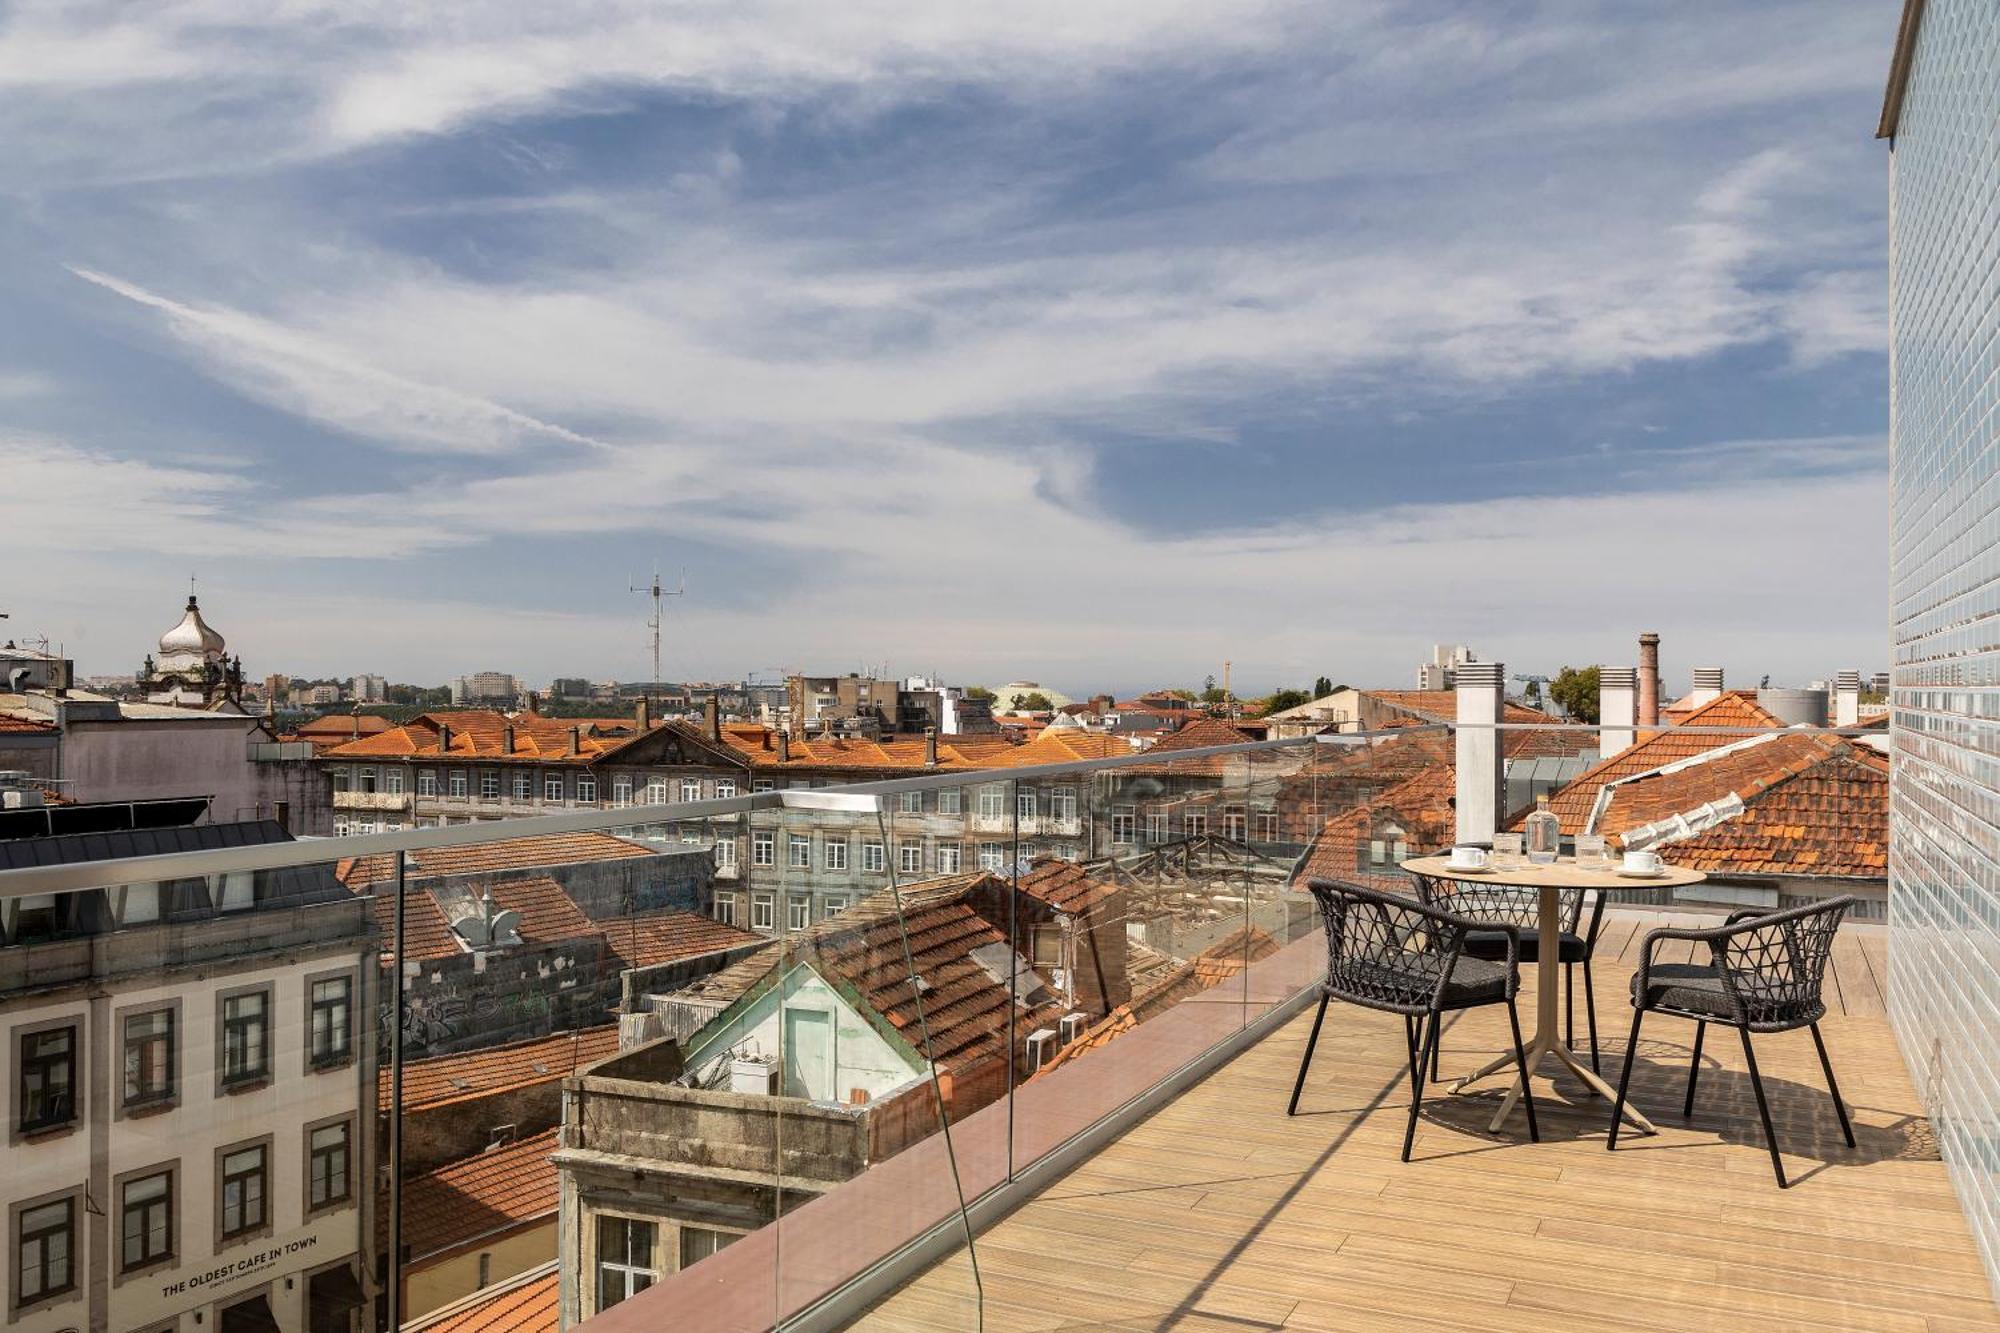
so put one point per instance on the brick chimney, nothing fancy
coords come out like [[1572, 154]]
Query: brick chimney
[[1707, 686], [642, 713], [1480, 687], [784, 747], [1847, 699], [1617, 708], [444, 738], [1649, 679], [711, 714], [507, 739], [930, 747], [575, 740]]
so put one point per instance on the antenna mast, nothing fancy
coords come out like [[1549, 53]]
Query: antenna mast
[[657, 592]]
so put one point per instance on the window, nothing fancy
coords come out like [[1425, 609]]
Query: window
[[330, 1015], [725, 853], [1121, 823], [798, 911], [690, 789], [524, 786], [1195, 823], [328, 1174], [45, 1248], [427, 783], [910, 856], [951, 801], [1062, 805], [489, 784], [340, 779], [1233, 822], [947, 858], [1024, 802], [149, 1057], [245, 1174], [763, 911], [586, 789], [457, 787], [872, 857], [725, 789], [392, 781], [245, 1036], [992, 802], [1156, 826], [656, 791], [835, 904], [364, 779], [146, 1221], [1048, 947], [621, 792], [1266, 824], [763, 784], [992, 856], [624, 1259], [725, 908], [763, 848], [697, 1243], [552, 787], [836, 853], [913, 803], [801, 851], [48, 1079]]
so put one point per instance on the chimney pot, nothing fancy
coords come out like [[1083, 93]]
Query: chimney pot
[[507, 739], [642, 713], [444, 738], [712, 714], [784, 747], [1649, 679], [575, 740], [1617, 708], [930, 747], [1847, 699], [1707, 686], [1481, 691]]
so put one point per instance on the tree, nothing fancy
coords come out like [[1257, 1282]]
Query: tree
[[1574, 690], [979, 692], [1036, 702], [1213, 694], [1279, 700], [1321, 688]]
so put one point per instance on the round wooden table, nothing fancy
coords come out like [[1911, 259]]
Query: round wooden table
[[1550, 880]]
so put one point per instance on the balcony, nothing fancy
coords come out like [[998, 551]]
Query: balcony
[[371, 800]]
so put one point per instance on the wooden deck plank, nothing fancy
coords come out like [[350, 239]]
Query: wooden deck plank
[[1221, 1211]]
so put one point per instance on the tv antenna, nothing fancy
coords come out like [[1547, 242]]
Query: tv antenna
[[657, 592]]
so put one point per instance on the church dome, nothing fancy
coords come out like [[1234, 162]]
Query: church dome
[[192, 635]]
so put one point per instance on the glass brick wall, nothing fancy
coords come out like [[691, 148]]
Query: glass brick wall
[[1945, 592]]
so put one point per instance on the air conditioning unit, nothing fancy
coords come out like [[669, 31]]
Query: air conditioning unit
[[1041, 1048], [754, 1074], [1073, 1025]]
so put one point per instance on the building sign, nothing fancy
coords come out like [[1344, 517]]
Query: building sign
[[196, 1285]]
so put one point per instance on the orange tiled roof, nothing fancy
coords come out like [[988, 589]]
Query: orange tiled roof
[[1421, 806], [547, 914], [509, 1186], [1065, 885], [1736, 708], [14, 723], [759, 745], [1215, 964], [482, 735], [1812, 805], [526, 1307], [1442, 706], [647, 939], [542, 849], [440, 1080]]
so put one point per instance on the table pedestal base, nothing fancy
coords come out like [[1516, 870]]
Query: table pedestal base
[[1544, 1045]]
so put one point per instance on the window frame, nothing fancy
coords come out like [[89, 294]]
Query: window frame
[[455, 784], [19, 1036], [224, 1177], [763, 847], [690, 789], [310, 1158], [489, 784], [798, 911], [874, 858], [764, 906], [121, 1267], [340, 1059], [226, 1082], [834, 851], [725, 789], [951, 800], [909, 856], [147, 1103], [631, 1270], [725, 907], [798, 851], [953, 851], [832, 905], [586, 788], [18, 1302], [427, 784]]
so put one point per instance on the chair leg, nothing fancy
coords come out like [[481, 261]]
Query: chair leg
[[1590, 1017], [1306, 1060], [1569, 1005], [1840, 1107], [1763, 1110], [1521, 1063], [1410, 1040], [1624, 1081], [1417, 1084], [1437, 1045], [1694, 1069]]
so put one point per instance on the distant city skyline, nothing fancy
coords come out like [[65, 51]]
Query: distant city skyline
[[1101, 343]]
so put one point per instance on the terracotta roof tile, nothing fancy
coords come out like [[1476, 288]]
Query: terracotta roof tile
[[509, 1186], [648, 939], [439, 1080], [1421, 807], [15, 724], [526, 1307], [547, 914], [544, 849], [1065, 885], [1736, 708]]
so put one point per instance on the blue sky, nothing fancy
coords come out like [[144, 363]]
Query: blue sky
[[1095, 344]]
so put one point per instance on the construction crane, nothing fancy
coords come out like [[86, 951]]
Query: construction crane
[[1541, 684], [657, 593]]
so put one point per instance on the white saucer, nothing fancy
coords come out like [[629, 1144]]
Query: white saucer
[[1469, 870], [1661, 873]]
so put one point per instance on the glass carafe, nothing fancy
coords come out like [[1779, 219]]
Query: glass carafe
[[1543, 833]]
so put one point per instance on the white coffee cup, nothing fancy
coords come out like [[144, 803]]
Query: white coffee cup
[[1642, 863], [1468, 858]]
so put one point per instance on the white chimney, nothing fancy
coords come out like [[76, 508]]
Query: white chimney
[[1480, 687], [1847, 699], [1707, 686], [1617, 708]]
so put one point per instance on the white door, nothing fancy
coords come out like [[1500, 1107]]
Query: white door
[[809, 1054]]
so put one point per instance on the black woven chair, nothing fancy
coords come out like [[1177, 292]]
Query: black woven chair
[[1764, 975], [1388, 953], [1494, 905]]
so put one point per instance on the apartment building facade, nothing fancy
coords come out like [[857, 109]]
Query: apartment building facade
[[189, 1070], [1944, 358]]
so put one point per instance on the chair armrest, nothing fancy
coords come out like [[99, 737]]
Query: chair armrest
[[1738, 917], [1654, 938]]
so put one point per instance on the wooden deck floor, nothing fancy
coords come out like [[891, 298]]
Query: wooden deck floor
[[1221, 1213]]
